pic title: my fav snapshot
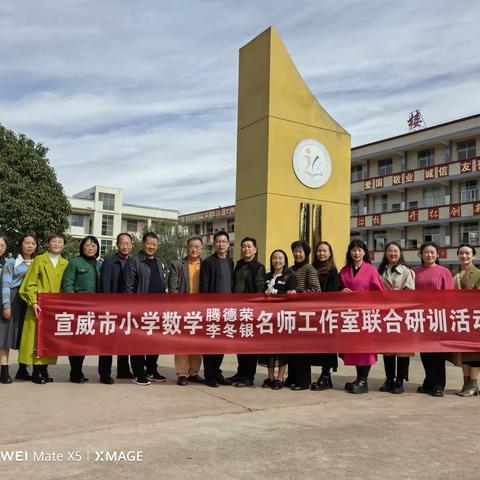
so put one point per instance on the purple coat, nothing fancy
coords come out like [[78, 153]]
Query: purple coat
[[366, 279]]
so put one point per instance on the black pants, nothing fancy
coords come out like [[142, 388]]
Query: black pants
[[142, 364], [76, 365], [247, 366], [401, 367], [299, 370], [211, 367], [435, 374], [105, 365]]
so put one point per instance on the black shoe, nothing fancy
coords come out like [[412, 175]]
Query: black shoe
[[246, 382], [128, 375], [387, 385], [22, 373], [5, 377], [323, 383], [277, 384], [297, 388], [349, 385], [156, 377], [38, 378], [268, 383], [182, 380], [223, 381], [141, 380], [234, 378], [359, 386], [79, 380], [107, 380], [397, 387], [211, 383], [422, 389], [196, 379], [436, 392]]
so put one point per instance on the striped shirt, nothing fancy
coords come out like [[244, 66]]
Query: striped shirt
[[433, 278]]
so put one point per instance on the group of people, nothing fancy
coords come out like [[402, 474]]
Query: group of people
[[29, 273]]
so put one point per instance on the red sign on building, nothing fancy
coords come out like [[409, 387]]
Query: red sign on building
[[397, 179], [466, 166], [361, 221], [376, 220], [455, 211], [476, 208], [367, 185], [409, 177], [433, 213], [429, 173], [379, 182], [443, 171], [413, 215]]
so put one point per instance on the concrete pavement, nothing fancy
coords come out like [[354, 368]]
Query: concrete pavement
[[169, 432]]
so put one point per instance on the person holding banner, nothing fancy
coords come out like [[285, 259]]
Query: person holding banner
[[432, 276], [327, 272], [359, 275], [468, 277], [112, 280], [82, 275], [184, 277], [216, 276], [248, 277], [44, 275], [144, 274], [279, 280], [299, 369], [14, 308], [395, 276]]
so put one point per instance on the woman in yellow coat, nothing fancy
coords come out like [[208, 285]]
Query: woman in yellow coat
[[44, 276]]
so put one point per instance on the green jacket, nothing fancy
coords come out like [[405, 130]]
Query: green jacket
[[80, 276]]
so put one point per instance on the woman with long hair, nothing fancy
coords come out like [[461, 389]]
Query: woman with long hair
[[44, 275], [395, 276], [279, 280], [432, 276], [14, 308], [359, 275], [299, 369], [83, 276], [467, 277], [327, 272]]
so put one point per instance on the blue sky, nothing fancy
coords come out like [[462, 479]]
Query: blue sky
[[143, 95]]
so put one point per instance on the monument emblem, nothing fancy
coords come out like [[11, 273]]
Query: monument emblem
[[311, 163]]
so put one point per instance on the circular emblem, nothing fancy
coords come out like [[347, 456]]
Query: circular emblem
[[311, 163]]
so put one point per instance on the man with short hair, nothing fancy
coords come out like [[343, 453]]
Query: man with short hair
[[216, 274], [248, 277], [184, 277], [144, 274], [112, 280]]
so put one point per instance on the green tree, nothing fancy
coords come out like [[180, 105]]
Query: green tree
[[31, 199], [72, 248]]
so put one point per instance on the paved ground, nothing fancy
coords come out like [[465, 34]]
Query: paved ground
[[197, 432]]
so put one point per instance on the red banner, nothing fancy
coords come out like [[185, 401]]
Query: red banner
[[359, 322]]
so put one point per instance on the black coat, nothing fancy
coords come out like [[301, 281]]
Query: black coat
[[210, 274], [112, 275], [330, 281]]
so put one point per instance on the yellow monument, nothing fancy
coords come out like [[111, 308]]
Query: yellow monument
[[293, 158]]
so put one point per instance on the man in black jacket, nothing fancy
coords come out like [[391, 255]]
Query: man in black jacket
[[144, 274], [248, 277], [216, 274], [112, 280]]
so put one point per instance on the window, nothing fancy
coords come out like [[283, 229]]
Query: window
[[433, 196], [379, 240], [108, 200], [466, 149], [356, 173], [385, 167], [432, 234], [209, 227], [76, 220], [469, 233], [468, 191], [107, 225], [105, 247], [196, 229], [396, 207], [355, 207], [231, 226], [413, 204], [132, 226], [412, 243], [425, 158], [380, 204]]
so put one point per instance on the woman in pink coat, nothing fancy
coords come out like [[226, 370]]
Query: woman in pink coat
[[357, 276]]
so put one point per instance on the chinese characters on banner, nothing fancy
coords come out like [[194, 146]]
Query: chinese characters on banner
[[93, 324]]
